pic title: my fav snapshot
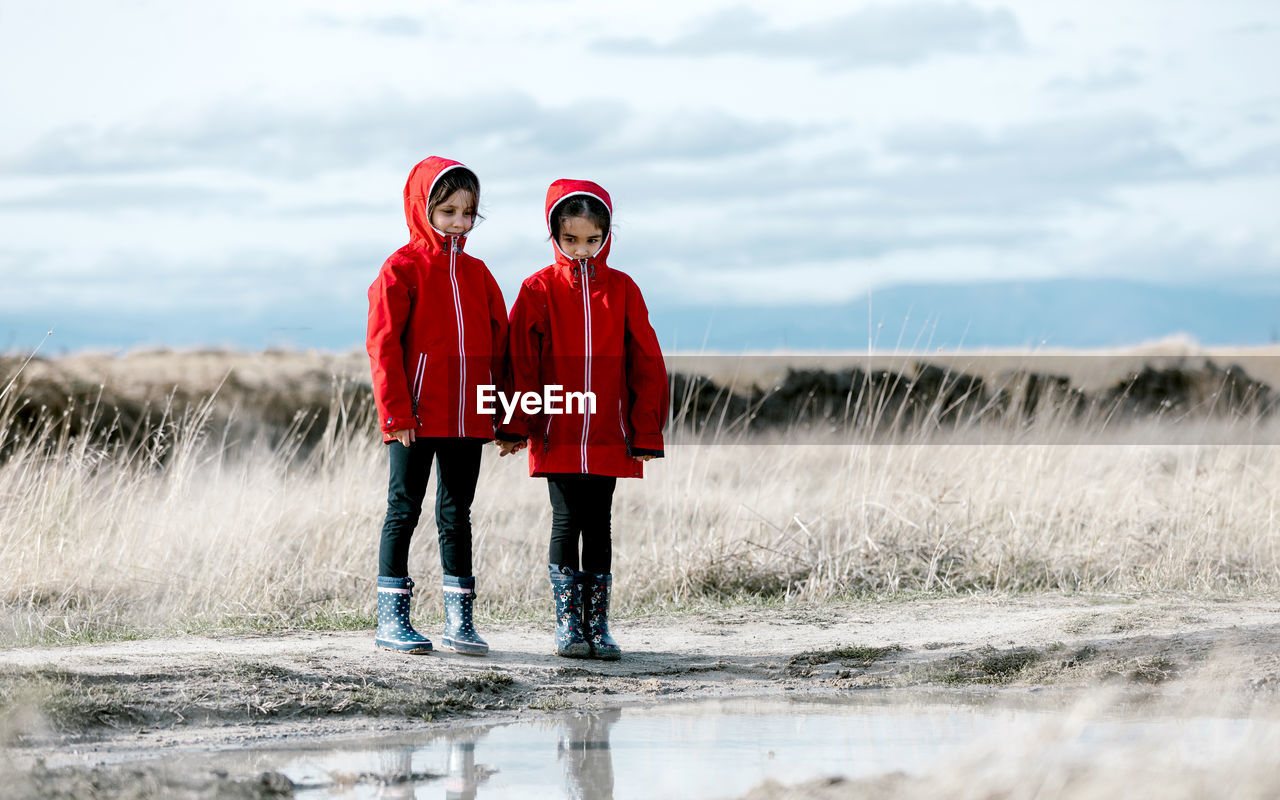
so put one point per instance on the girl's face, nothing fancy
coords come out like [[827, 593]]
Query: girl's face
[[580, 237], [455, 214]]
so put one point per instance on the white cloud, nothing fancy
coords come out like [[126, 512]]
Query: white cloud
[[895, 34], [300, 143], [380, 25], [1110, 80]]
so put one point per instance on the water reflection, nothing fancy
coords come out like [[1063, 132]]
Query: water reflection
[[725, 747], [397, 766], [398, 780], [584, 747], [581, 747], [460, 783]]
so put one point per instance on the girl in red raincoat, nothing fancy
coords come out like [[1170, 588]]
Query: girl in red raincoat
[[580, 328], [437, 331]]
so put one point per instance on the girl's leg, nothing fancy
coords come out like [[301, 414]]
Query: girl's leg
[[595, 512], [566, 581], [595, 505], [410, 469], [457, 469], [565, 528]]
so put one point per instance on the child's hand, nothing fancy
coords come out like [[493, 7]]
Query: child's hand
[[643, 458], [406, 436], [507, 448]]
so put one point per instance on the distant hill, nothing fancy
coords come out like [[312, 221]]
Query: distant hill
[[1010, 314], [1051, 313]]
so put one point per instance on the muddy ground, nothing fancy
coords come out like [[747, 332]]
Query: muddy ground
[[70, 708]]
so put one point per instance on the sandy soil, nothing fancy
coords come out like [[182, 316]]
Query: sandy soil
[[107, 701]]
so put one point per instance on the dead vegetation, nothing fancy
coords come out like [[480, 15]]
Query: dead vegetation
[[291, 399], [187, 520], [76, 702], [850, 655]]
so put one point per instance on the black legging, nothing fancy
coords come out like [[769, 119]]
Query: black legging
[[457, 468], [581, 506]]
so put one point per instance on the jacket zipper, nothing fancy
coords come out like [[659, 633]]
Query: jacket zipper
[[586, 316], [417, 381], [462, 335], [622, 426]]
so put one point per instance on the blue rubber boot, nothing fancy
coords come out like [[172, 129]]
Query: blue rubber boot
[[566, 588], [395, 632], [459, 631], [595, 599]]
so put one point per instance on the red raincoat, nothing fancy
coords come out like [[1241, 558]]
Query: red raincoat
[[584, 326], [437, 326]]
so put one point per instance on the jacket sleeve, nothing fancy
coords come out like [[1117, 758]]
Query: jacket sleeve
[[646, 377], [526, 334], [390, 303]]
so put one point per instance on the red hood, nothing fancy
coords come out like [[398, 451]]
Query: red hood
[[564, 188], [417, 190]]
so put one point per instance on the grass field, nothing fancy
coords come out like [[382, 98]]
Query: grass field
[[197, 524]]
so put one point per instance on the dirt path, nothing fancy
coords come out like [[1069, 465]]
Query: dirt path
[[108, 701]]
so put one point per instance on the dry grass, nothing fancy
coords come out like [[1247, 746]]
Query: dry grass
[[177, 529]]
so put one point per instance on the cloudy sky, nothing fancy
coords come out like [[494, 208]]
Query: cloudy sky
[[231, 172]]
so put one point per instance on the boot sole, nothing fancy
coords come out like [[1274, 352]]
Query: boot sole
[[464, 648], [607, 656], [575, 651], [413, 651]]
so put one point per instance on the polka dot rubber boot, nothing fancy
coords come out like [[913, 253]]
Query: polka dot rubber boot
[[595, 599], [395, 632], [566, 588], [459, 631]]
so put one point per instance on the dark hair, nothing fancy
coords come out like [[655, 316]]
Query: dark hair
[[580, 205], [454, 180]]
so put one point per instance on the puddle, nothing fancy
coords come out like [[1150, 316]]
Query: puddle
[[718, 748]]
